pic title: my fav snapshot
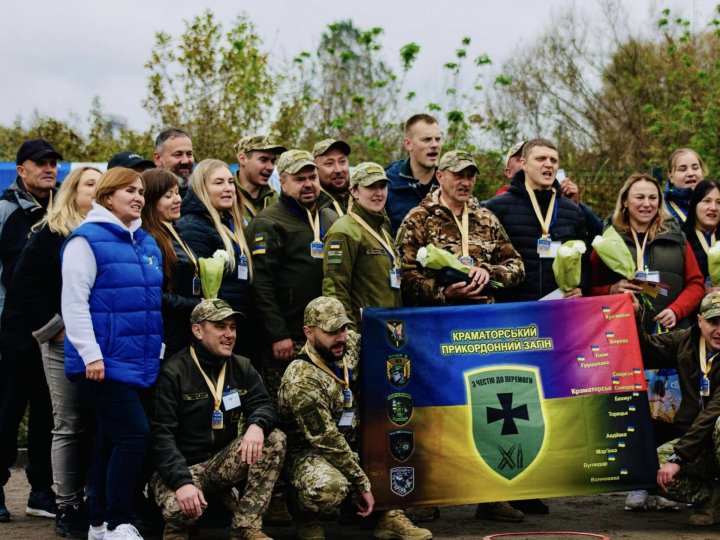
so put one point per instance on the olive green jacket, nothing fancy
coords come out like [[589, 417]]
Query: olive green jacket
[[265, 198]]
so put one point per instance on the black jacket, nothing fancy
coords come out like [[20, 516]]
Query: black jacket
[[180, 417], [514, 210]]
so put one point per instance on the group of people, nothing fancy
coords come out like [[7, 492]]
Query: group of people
[[143, 375]]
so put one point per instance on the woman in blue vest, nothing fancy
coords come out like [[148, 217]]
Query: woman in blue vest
[[111, 300]]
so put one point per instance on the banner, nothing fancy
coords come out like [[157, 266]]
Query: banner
[[501, 402]]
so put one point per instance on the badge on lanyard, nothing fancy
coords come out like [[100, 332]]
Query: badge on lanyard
[[217, 419], [196, 287], [347, 398], [395, 278], [544, 245], [467, 261], [704, 386], [242, 267], [231, 399], [346, 418], [316, 250]]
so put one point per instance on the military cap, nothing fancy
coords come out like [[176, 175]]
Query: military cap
[[514, 151], [292, 161], [327, 313], [710, 306], [258, 142], [212, 309], [456, 161], [323, 146], [367, 173]]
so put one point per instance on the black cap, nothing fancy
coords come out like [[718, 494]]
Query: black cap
[[129, 160], [36, 149]]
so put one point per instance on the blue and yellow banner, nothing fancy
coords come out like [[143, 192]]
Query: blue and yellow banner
[[501, 402]]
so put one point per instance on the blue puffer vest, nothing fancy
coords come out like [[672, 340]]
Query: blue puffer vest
[[124, 304]]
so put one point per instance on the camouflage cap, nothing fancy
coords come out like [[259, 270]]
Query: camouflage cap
[[327, 313], [292, 161], [367, 173], [710, 306], [323, 146], [258, 142], [212, 309], [456, 161], [514, 151]]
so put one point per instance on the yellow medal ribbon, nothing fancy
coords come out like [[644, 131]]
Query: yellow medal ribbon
[[703, 242], [464, 227], [639, 251], [215, 391], [544, 222], [683, 215], [322, 365], [249, 206], [314, 222], [183, 245], [705, 362], [386, 243], [335, 204]]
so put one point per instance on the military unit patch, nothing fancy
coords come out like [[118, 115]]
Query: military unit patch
[[259, 244], [401, 443], [397, 367], [402, 480], [312, 419], [399, 408], [396, 333]]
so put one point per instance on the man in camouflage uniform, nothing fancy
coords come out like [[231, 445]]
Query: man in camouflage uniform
[[333, 167], [318, 410], [256, 156], [690, 463], [212, 427], [440, 220]]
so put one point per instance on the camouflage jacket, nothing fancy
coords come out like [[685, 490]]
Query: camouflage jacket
[[356, 267], [310, 404], [326, 200], [433, 223]]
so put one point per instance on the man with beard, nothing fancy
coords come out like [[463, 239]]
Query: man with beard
[[286, 241], [256, 156], [174, 152], [318, 409], [411, 179], [333, 167]]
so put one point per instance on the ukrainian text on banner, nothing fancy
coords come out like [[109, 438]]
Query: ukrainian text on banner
[[501, 402]]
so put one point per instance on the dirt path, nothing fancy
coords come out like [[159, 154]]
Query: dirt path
[[601, 514]]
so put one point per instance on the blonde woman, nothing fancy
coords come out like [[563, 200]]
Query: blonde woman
[[38, 276], [685, 169]]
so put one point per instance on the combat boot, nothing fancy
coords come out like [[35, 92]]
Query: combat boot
[[499, 511], [705, 514], [4, 512], [169, 534], [307, 527], [395, 525], [277, 513], [245, 533]]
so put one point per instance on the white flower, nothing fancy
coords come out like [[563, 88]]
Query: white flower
[[422, 255], [598, 239], [715, 250], [565, 251], [221, 254], [578, 246]]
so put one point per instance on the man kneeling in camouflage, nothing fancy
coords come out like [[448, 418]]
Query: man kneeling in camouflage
[[212, 427], [318, 410]]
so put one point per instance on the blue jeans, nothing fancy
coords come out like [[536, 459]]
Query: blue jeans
[[120, 446]]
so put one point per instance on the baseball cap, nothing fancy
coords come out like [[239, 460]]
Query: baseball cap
[[514, 151], [293, 160], [129, 160], [367, 173], [710, 306], [36, 149], [258, 142], [212, 309], [327, 313], [456, 161], [323, 146]]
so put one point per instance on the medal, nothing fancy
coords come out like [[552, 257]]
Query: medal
[[316, 250], [395, 278], [217, 419], [196, 287]]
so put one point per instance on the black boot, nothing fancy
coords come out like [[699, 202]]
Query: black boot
[[4, 514]]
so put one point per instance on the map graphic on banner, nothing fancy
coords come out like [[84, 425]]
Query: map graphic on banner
[[500, 402]]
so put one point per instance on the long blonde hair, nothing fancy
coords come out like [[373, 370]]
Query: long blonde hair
[[621, 217], [197, 182], [65, 215]]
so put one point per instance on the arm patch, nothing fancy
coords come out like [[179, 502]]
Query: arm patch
[[312, 420]]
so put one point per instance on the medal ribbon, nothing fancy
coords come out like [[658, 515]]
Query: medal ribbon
[[322, 365], [683, 215], [314, 222], [639, 250], [544, 222], [386, 243], [705, 362], [249, 206], [464, 225], [335, 204], [703, 242], [215, 391], [183, 245]]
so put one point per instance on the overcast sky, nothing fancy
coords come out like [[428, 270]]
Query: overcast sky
[[58, 54]]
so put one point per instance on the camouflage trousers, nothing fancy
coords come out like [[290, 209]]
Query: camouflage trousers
[[219, 474], [695, 481], [272, 370], [319, 487]]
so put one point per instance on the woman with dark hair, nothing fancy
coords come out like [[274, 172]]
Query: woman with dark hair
[[702, 221], [685, 169], [181, 278]]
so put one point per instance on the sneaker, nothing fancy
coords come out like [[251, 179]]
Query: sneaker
[[4, 513], [419, 514], [124, 531], [636, 500], [245, 533], [71, 521], [531, 506], [97, 533], [499, 511], [395, 525], [42, 504], [662, 504]]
